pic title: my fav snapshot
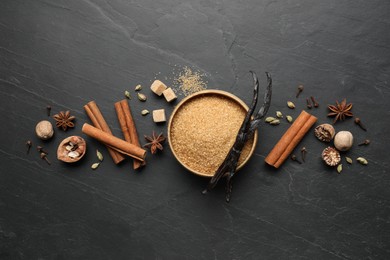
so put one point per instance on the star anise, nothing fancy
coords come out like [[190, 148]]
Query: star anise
[[340, 110], [64, 120], [155, 142]]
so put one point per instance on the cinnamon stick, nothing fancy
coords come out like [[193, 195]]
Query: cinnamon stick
[[114, 143], [290, 139], [98, 121], [127, 125]]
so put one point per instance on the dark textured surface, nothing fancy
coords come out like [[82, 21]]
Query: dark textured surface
[[66, 53]]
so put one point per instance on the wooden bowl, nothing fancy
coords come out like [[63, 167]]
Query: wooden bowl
[[202, 129]]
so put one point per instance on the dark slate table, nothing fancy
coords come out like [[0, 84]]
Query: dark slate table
[[66, 53]]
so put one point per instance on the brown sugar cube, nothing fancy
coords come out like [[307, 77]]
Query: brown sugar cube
[[169, 94], [158, 87], [159, 116]]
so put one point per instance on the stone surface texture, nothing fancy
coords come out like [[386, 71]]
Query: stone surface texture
[[67, 53]]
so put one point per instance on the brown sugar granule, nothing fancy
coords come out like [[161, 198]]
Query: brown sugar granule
[[203, 131], [190, 82]]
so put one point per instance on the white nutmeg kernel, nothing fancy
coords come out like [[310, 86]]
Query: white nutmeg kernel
[[343, 141], [44, 130]]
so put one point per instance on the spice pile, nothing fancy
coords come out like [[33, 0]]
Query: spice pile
[[342, 141], [204, 129], [190, 82]]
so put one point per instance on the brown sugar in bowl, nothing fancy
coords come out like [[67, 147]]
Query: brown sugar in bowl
[[203, 128]]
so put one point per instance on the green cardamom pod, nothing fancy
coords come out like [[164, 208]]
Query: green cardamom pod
[[99, 155], [275, 122], [95, 165], [138, 88], [279, 114], [349, 160], [269, 119], [290, 104], [144, 112], [127, 94], [339, 168], [141, 97], [289, 119], [362, 160]]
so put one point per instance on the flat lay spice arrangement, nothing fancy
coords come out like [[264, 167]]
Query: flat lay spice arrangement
[[212, 133]]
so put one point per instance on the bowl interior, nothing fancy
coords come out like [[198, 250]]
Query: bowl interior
[[203, 128]]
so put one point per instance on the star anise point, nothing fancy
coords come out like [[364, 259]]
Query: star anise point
[[64, 120], [340, 110], [154, 142]]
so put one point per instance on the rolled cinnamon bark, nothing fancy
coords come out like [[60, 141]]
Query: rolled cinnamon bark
[[127, 125], [115, 143], [290, 139], [98, 121]]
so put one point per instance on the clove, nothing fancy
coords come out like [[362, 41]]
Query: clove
[[44, 157], [303, 153], [366, 142], [48, 110], [308, 103], [300, 89], [41, 150], [315, 103], [28, 144], [294, 158], [359, 123]]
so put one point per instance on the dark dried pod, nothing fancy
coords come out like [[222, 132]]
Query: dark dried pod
[[324, 132]]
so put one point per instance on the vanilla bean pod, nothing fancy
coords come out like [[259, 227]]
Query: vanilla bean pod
[[247, 129]]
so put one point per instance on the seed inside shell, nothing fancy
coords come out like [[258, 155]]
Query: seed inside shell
[[324, 132], [331, 156]]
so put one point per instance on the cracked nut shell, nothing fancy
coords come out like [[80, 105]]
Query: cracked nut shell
[[331, 156], [324, 132], [71, 149]]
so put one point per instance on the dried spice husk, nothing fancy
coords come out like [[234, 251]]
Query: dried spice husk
[[290, 104], [362, 160], [141, 97], [127, 94], [99, 155], [269, 119], [279, 114], [349, 160], [138, 87], [145, 112], [94, 166], [339, 168], [275, 122], [289, 119]]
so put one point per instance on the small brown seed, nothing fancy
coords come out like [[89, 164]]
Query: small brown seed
[[28, 144], [308, 103], [366, 142], [300, 89], [314, 101], [48, 109]]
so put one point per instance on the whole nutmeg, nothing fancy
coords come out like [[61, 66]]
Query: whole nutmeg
[[44, 130], [324, 132], [331, 156], [343, 141], [71, 149]]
